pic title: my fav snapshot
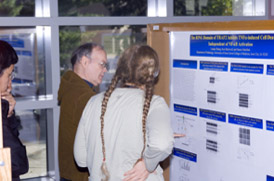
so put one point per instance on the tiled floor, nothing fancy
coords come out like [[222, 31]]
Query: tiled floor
[[39, 179], [33, 136], [37, 162]]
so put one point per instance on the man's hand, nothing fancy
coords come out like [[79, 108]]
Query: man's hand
[[138, 172]]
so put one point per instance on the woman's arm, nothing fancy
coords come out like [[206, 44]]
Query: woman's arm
[[80, 153], [159, 141], [159, 134]]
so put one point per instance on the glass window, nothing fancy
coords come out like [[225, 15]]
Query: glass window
[[30, 70], [115, 40], [13, 8], [33, 134], [102, 8], [219, 7]]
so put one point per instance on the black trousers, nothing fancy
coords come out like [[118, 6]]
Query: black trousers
[[64, 179]]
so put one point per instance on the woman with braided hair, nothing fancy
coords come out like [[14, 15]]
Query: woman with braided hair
[[127, 137]]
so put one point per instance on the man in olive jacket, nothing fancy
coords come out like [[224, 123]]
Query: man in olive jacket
[[89, 64]]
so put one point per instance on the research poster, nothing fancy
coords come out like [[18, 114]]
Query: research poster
[[222, 99]]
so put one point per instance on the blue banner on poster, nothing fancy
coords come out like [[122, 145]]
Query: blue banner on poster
[[185, 154], [13, 41], [247, 68], [270, 125], [188, 64], [214, 66], [185, 109], [259, 46], [214, 115], [23, 53], [269, 178], [270, 70], [245, 121]]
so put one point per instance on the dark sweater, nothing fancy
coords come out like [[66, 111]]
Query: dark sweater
[[19, 160], [73, 95]]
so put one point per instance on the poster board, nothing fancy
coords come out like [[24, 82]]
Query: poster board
[[160, 37]]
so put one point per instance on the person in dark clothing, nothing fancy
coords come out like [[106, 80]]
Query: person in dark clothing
[[19, 160]]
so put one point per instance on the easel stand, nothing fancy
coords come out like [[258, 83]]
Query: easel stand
[[5, 159]]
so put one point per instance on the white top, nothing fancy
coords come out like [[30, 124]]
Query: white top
[[123, 134]]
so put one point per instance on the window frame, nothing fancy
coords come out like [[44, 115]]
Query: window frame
[[160, 11]]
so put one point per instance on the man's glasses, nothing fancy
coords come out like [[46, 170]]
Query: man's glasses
[[104, 65]]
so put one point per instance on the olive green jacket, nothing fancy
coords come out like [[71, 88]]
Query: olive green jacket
[[73, 95]]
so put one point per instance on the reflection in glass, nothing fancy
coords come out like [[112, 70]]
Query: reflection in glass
[[29, 77], [13, 8], [102, 8], [33, 135], [219, 8], [115, 40]]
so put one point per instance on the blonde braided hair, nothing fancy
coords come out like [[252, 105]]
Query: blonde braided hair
[[107, 94], [148, 97], [139, 65]]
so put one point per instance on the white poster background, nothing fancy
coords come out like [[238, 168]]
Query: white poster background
[[232, 161]]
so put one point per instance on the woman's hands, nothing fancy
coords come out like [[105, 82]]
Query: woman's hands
[[138, 172]]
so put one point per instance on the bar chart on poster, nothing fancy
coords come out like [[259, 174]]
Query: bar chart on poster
[[222, 98]]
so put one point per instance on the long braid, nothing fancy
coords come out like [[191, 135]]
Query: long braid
[[107, 95], [148, 96]]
